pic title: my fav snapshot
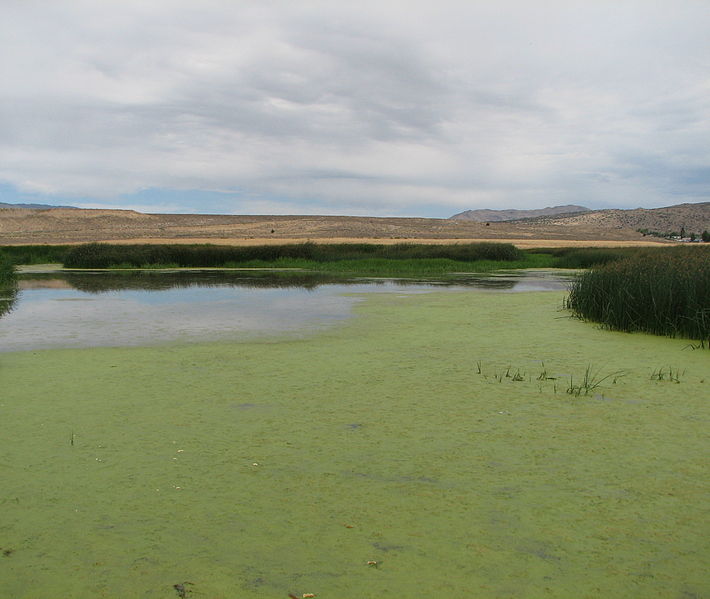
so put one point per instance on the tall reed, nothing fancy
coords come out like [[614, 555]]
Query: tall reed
[[99, 255], [35, 254], [573, 257], [662, 292]]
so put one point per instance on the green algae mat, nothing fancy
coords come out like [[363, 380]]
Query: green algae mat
[[428, 447]]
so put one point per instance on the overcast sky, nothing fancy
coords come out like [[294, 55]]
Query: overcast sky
[[386, 107]]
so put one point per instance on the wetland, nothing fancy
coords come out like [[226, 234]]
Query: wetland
[[419, 441]]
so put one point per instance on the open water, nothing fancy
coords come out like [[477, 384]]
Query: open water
[[64, 309]]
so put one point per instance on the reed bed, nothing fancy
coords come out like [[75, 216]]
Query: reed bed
[[661, 292], [571, 257], [35, 254], [99, 255]]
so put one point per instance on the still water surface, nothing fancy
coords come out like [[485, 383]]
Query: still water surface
[[91, 309]]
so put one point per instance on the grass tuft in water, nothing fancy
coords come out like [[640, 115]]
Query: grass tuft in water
[[667, 374], [518, 377], [544, 376], [591, 380]]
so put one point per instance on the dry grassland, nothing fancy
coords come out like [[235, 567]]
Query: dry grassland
[[66, 226]]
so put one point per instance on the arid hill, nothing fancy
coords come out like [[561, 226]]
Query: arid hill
[[605, 227], [489, 216], [692, 217]]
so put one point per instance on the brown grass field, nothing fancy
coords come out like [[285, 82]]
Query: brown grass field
[[72, 226]]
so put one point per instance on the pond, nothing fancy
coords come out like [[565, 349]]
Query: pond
[[428, 447], [64, 309]]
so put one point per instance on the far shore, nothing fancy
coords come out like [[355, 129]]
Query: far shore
[[520, 243]]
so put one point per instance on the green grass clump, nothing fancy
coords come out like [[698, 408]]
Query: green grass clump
[[591, 381], [99, 255], [661, 292]]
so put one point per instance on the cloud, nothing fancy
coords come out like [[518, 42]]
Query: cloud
[[384, 108]]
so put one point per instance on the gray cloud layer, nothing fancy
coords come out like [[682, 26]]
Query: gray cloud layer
[[386, 107]]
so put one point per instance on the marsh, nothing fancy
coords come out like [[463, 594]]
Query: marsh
[[235, 463]]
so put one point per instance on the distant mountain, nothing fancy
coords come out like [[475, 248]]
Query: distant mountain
[[486, 216], [32, 206]]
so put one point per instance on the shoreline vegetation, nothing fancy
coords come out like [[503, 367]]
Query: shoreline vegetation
[[665, 293], [344, 258], [340, 258]]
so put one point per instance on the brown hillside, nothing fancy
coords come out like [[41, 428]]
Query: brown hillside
[[693, 217], [608, 227]]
